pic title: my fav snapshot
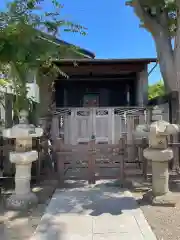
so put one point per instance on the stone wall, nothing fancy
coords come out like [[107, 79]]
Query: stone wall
[[164, 111]]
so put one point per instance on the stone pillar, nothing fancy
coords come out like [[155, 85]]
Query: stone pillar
[[142, 88], [22, 179], [159, 153], [22, 198], [160, 180], [22, 157]]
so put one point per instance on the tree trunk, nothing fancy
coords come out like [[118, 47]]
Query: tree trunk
[[166, 61], [159, 28], [169, 58], [177, 60], [169, 62]]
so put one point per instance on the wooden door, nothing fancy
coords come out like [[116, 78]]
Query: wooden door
[[84, 126]]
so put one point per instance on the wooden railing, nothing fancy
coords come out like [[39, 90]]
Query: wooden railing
[[78, 125], [97, 161]]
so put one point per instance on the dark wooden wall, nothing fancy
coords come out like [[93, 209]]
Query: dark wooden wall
[[111, 92]]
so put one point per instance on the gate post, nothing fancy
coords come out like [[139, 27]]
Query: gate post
[[144, 160], [58, 148], [122, 161], [141, 144], [111, 129], [91, 161], [93, 121], [72, 129]]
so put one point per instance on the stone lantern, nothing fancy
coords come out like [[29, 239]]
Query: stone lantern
[[160, 154], [141, 131], [22, 157]]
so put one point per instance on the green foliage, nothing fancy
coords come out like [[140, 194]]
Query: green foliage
[[164, 12], [156, 90], [28, 41]]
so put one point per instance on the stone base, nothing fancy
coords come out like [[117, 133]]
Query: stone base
[[21, 202], [166, 200]]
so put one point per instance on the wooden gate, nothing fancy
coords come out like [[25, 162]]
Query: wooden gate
[[90, 161]]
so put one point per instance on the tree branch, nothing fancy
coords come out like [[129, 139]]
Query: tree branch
[[151, 23], [163, 20], [158, 26], [176, 54], [166, 61], [178, 3]]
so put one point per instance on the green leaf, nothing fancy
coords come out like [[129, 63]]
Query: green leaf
[[155, 9], [25, 44], [3, 81], [156, 90]]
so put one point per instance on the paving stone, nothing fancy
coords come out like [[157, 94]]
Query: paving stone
[[76, 237], [114, 224], [115, 236], [100, 213], [143, 224], [80, 225]]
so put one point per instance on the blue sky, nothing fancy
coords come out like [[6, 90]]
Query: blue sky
[[113, 30]]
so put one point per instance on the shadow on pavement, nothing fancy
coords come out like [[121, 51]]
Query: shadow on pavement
[[94, 200]]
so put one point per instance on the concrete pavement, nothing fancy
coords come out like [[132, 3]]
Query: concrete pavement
[[93, 213]]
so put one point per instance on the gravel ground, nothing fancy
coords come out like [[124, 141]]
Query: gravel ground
[[164, 221], [16, 225]]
